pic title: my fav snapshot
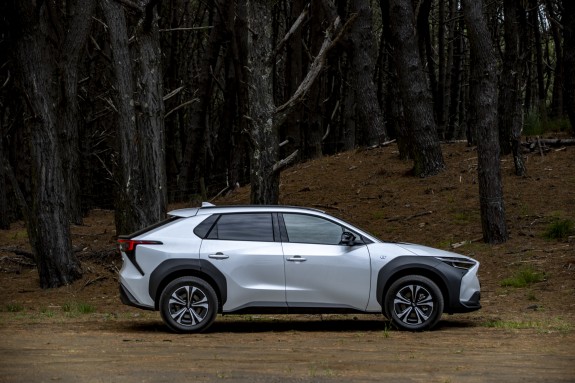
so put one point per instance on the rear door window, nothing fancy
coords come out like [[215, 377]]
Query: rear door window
[[244, 227]]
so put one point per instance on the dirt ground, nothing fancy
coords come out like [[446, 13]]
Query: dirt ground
[[82, 333]]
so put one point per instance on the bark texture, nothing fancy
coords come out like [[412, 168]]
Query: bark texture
[[263, 131], [510, 102], [483, 119], [361, 69], [140, 176], [569, 59], [36, 54], [417, 101]]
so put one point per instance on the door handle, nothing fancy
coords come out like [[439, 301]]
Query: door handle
[[218, 255], [297, 258]]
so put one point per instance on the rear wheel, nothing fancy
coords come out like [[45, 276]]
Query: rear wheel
[[414, 303], [188, 304]]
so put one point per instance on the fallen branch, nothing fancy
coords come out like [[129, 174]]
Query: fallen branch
[[19, 251], [92, 281]]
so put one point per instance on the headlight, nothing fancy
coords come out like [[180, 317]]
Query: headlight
[[459, 263]]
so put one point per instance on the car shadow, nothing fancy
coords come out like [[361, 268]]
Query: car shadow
[[264, 324]]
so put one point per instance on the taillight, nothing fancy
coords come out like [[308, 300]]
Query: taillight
[[129, 245]]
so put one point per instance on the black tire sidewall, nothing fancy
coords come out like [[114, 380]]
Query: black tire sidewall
[[430, 286], [206, 289]]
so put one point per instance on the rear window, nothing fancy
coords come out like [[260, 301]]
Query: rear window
[[204, 228], [150, 228]]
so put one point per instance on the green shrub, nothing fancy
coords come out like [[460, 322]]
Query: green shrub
[[14, 307], [559, 229], [523, 277], [78, 308]]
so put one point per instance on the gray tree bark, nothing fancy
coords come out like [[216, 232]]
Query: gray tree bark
[[417, 101], [263, 132], [510, 104], [140, 175], [37, 53], [568, 21], [483, 118], [361, 72]]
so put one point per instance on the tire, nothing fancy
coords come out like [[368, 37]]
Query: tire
[[413, 303], [188, 305]]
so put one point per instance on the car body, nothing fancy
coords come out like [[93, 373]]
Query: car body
[[259, 259]]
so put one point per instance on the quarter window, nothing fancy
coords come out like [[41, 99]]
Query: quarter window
[[244, 227], [303, 228]]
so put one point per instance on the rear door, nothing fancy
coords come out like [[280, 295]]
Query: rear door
[[243, 247], [321, 272]]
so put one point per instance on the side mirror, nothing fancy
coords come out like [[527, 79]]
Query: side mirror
[[347, 239]]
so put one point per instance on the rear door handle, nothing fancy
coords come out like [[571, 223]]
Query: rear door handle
[[297, 258], [218, 255]]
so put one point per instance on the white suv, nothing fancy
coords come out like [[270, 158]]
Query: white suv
[[261, 259]]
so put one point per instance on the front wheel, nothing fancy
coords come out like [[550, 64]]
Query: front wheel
[[414, 303], [188, 304]]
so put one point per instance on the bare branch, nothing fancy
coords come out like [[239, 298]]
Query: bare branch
[[185, 29], [288, 35], [315, 68], [182, 105], [173, 93], [279, 166]]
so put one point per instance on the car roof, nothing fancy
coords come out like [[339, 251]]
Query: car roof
[[208, 208]]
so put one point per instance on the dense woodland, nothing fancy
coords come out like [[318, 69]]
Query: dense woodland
[[134, 104]]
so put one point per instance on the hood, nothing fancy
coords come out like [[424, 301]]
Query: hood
[[428, 251]]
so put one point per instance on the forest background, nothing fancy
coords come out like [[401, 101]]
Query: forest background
[[131, 105]]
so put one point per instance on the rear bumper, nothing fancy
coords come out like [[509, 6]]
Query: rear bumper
[[128, 299]]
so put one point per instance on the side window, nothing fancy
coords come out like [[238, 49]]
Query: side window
[[303, 228], [243, 227]]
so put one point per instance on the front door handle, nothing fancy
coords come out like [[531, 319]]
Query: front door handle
[[218, 255], [297, 258]]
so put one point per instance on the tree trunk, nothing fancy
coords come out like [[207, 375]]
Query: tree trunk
[[557, 99], [264, 134], [483, 117], [417, 101], [426, 52], [291, 130], [48, 221], [80, 21], [4, 215], [313, 105], [568, 21], [240, 53], [454, 130], [361, 72], [141, 178], [510, 111], [194, 157]]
